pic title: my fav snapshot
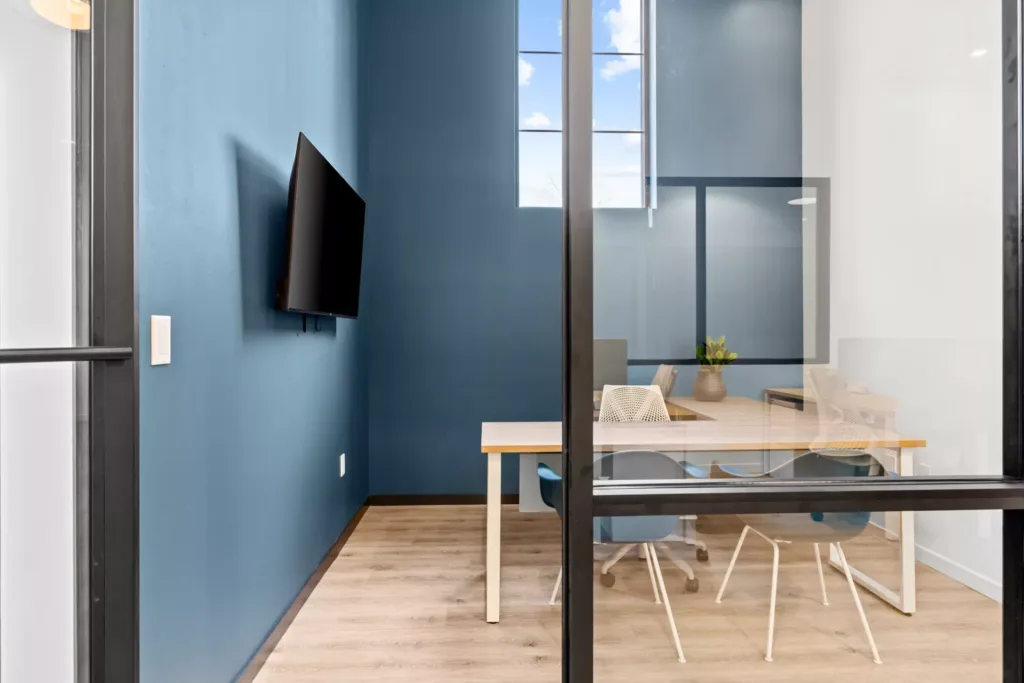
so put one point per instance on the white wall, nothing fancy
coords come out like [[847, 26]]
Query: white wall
[[36, 402], [902, 109]]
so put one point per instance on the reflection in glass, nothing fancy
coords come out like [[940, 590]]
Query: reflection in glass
[[645, 288], [805, 591], [755, 249]]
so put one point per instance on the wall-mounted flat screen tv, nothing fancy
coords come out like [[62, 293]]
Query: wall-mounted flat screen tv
[[325, 239]]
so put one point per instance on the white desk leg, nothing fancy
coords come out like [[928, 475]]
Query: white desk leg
[[905, 600], [908, 559], [493, 536], [892, 519]]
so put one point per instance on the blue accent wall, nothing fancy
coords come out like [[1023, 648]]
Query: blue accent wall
[[240, 436], [463, 289], [729, 88]]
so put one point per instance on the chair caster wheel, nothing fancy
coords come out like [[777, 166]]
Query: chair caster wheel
[[608, 580], [692, 585], [702, 554]]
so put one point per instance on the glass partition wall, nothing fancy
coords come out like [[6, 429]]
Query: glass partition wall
[[68, 369], [792, 417]]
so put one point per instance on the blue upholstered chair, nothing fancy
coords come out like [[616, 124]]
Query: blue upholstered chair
[[812, 528], [644, 531]]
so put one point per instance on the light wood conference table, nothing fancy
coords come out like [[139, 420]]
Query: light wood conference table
[[735, 424]]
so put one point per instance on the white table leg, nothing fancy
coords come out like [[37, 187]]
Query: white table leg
[[906, 599], [493, 536], [908, 558], [892, 519], [892, 524]]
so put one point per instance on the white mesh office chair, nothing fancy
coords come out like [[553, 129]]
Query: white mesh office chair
[[632, 404], [842, 429], [643, 404]]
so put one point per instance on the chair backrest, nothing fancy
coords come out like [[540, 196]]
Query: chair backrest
[[636, 465], [840, 422], [665, 379], [550, 487], [812, 465], [610, 364], [815, 526], [632, 404]]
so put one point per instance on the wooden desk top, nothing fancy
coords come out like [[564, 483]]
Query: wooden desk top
[[735, 424]]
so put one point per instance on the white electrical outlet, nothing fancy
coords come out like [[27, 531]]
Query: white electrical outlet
[[341, 465]]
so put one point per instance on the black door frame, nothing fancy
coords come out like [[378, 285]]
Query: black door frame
[[107, 624], [582, 502], [114, 386]]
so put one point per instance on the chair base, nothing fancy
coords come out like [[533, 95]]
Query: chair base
[[657, 582], [775, 586]]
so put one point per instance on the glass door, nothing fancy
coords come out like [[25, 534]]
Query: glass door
[[793, 415], [67, 336]]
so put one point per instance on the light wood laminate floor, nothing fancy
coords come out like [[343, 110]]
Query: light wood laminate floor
[[404, 602]]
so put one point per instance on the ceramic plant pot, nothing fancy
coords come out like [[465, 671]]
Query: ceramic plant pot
[[709, 385]]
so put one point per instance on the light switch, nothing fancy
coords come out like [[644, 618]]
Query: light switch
[[160, 339]]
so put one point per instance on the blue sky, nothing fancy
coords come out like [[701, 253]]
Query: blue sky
[[618, 175]]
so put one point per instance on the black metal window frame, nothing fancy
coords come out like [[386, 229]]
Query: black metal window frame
[[582, 502], [107, 479], [823, 213]]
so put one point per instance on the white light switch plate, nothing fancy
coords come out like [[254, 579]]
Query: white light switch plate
[[160, 339]]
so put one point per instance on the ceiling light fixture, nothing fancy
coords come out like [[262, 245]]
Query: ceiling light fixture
[[802, 201], [73, 14], [980, 52]]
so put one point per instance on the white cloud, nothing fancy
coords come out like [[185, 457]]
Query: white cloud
[[619, 66], [624, 25], [537, 120], [631, 139], [525, 72]]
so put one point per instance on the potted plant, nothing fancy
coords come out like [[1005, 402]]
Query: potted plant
[[713, 356]]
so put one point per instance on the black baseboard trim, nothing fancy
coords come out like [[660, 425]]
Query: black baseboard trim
[[251, 670], [439, 499]]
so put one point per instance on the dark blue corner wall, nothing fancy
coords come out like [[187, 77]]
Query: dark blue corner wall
[[463, 289], [240, 436]]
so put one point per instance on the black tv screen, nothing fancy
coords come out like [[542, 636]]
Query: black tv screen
[[325, 239]]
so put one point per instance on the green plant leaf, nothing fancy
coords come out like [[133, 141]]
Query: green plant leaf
[[721, 341], [733, 356]]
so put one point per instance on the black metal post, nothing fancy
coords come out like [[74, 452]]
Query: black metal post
[[578, 340]]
